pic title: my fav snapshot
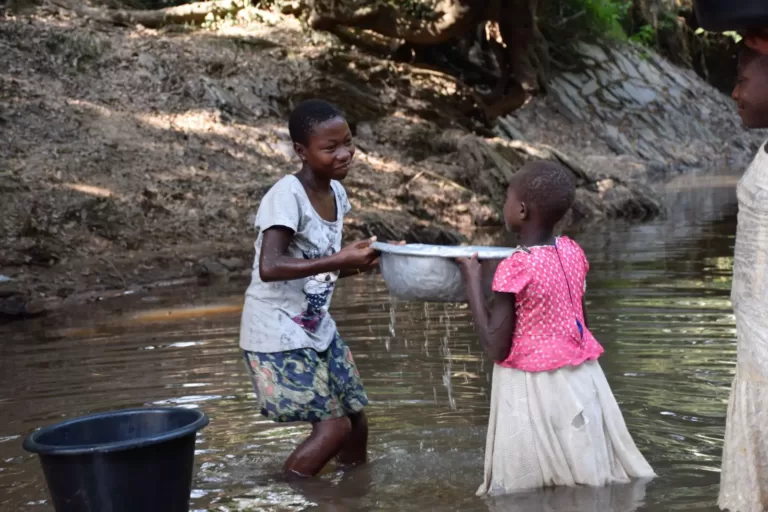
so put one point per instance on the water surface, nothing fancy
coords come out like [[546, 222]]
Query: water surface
[[658, 300]]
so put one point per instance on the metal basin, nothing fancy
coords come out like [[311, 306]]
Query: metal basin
[[428, 273]]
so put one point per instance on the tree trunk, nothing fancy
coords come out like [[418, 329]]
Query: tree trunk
[[513, 38], [517, 25], [450, 19]]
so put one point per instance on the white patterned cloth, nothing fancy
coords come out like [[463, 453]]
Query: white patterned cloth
[[744, 478], [557, 428]]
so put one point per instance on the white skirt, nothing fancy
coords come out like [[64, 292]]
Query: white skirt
[[557, 428], [744, 478]]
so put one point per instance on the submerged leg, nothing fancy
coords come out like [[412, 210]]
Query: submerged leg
[[355, 450], [326, 440]]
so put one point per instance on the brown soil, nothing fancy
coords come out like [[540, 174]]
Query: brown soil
[[133, 156]]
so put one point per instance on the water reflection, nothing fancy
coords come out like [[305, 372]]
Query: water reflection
[[658, 296], [626, 498]]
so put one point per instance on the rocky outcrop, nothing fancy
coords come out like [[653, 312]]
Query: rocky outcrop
[[631, 120], [630, 103]]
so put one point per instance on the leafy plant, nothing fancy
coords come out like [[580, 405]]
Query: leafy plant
[[593, 18], [733, 35], [645, 35], [608, 15]]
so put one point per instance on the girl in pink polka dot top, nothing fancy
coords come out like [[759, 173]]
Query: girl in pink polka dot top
[[554, 420]]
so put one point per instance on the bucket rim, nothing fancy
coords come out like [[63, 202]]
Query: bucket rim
[[32, 445]]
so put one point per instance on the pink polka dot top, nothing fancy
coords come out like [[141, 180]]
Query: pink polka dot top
[[547, 334]]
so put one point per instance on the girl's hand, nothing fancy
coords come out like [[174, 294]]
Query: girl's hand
[[358, 255], [370, 266], [471, 268], [375, 263]]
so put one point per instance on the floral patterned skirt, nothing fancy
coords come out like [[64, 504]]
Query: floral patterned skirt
[[306, 385]]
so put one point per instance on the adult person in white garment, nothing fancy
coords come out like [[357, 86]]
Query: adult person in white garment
[[744, 479]]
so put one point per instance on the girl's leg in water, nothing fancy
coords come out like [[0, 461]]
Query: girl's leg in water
[[355, 450], [326, 440]]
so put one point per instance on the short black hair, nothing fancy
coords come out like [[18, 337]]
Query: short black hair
[[308, 114], [547, 187]]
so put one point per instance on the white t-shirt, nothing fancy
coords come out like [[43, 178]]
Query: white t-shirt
[[289, 315]]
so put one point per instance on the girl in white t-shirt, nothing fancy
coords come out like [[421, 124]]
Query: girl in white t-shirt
[[300, 368]]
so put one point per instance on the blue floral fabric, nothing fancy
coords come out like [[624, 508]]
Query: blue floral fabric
[[306, 385]]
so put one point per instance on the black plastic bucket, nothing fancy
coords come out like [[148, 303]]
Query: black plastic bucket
[[136, 460], [724, 15]]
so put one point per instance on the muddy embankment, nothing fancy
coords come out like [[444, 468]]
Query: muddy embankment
[[133, 156]]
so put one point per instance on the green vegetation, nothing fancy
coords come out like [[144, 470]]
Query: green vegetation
[[645, 36], [733, 35], [587, 18], [617, 19], [606, 16]]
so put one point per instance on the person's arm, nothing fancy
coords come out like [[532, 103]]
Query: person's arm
[[495, 327], [584, 311], [276, 265], [584, 295]]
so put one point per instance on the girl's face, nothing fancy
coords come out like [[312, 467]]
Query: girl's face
[[750, 91], [329, 150], [515, 211]]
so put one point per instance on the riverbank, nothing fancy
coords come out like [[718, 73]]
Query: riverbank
[[139, 156]]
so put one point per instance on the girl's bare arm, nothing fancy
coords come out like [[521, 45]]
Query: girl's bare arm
[[495, 327], [276, 265]]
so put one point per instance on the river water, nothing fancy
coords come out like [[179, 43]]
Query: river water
[[658, 300]]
